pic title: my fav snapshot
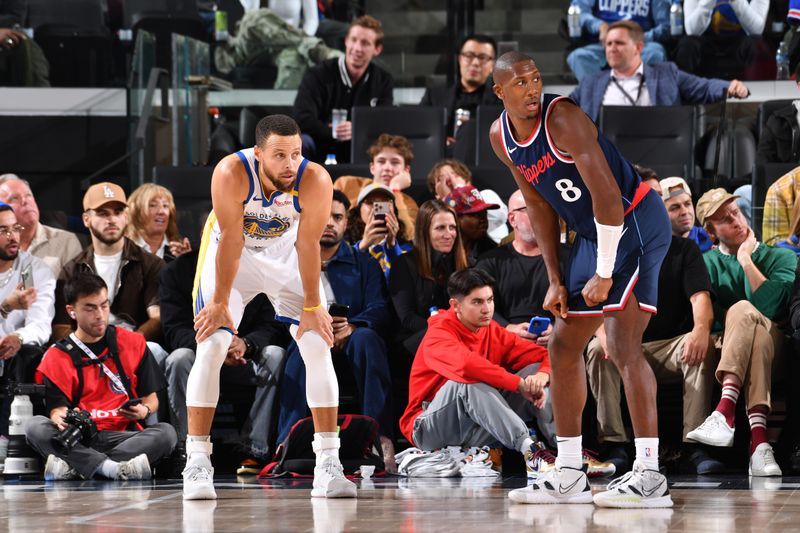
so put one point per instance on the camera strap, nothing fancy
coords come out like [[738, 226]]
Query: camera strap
[[107, 371]]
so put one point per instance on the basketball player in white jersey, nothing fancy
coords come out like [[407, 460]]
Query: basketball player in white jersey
[[256, 241]]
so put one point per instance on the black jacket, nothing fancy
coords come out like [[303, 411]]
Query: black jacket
[[413, 296], [177, 318], [447, 97], [11, 12], [326, 87], [780, 140]]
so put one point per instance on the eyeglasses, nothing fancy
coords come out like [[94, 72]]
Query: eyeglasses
[[7, 231], [469, 56]]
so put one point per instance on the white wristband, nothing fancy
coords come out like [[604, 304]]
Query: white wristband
[[607, 242]]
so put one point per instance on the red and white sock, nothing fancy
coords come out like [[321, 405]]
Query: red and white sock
[[727, 403], [758, 426]]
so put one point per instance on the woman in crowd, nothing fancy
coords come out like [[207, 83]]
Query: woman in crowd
[[153, 223], [381, 235], [449, 174], [418, 280]]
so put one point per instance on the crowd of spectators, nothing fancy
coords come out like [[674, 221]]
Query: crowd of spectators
[[433, 299]]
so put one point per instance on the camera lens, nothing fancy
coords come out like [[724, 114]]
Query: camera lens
[[67, 439]]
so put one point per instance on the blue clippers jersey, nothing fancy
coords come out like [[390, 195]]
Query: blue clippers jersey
[[553, 173]]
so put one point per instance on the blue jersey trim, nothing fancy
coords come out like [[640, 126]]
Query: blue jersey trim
[[251, 187], [287, 320], [296, 195]]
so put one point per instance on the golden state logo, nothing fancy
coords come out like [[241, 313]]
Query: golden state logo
[[265, 228]]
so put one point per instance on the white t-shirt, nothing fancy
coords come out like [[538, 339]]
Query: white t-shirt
[[108, 267]]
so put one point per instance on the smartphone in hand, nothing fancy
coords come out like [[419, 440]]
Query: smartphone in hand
[[379, 210], [27, 277], [538, 325], [130, 403], [339, 310]]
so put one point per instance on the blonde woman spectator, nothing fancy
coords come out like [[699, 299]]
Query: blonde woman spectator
[[153, 222]]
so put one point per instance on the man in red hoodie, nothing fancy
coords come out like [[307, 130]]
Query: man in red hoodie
[[472, 381]]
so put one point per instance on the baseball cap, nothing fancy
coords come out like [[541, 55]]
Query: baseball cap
[[103, 193], [371, 188], [467, 199], [708, 204], [675, 181]]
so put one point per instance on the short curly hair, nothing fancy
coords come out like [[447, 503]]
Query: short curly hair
[[395, 142], [458, 167]]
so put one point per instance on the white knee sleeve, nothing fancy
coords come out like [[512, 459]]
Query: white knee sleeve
[[322, 389], [202, 389]]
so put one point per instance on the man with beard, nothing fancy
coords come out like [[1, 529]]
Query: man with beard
[[52, 245], [26, 300], [130, 273], [263, 236], [353, 280]]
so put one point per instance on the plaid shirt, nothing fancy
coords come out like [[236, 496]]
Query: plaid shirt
[[778, 207]]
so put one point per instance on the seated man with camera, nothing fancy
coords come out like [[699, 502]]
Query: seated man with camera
[[101, 382]]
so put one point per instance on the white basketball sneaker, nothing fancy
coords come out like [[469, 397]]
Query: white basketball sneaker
[[329, 480], [559, 485], [136, 468], [714, 431], [638, 488], [57, 469], [762, 462]]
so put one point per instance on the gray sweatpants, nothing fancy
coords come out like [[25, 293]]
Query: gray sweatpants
[[156, 441], [477, 414]]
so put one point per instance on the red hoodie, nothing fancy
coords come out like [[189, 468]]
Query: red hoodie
[[450, 351]]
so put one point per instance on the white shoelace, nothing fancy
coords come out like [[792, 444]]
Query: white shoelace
[[198, 473]]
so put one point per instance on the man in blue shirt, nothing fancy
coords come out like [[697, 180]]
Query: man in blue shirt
[[355, 281]]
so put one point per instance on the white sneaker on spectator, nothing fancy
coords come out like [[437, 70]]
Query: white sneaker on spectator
[[559, 485], [136, 468], [638, 488], [329, 481], [714, 431], [762, 462], [57, 469], [198, 482]]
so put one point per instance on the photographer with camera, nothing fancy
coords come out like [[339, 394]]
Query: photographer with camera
[[101, 382]]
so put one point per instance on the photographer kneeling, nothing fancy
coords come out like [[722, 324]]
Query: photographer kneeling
[[82, 374]]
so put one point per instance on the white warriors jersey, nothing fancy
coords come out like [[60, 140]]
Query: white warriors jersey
[[266, 220]]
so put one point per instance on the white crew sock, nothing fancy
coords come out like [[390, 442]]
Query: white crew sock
[[527, 445], [647, 452], [109, 469], [570, 452]]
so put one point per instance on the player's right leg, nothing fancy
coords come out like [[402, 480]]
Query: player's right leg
[[567, 483], [202, 388]]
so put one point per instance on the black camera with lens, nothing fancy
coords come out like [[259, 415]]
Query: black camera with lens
[[80, 428]]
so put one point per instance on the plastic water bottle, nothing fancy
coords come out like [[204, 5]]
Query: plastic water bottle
[[782, 61], [330, 159], [676, 18], [433, 310], [574, 20]]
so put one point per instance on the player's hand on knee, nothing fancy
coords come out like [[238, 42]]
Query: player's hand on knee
[[211, 318], [317, 320], [596, 290], [555, 300]]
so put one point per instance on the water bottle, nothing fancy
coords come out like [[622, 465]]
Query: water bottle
[[574, 20], [782, 61], [433, 310], [330, 159], [220, 25], [676, 18]]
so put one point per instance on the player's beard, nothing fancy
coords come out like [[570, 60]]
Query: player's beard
[[277, 183]]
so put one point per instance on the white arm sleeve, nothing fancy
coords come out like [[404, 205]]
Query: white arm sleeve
[[607, 243], [311, 17], [752, 15], [697, 15]]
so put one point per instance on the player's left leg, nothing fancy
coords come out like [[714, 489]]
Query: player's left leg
[[645, 486]]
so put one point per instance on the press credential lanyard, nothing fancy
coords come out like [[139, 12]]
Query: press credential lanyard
[[112, 376]]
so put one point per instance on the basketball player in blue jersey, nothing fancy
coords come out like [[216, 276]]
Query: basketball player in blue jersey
[[566, 169], [270, 209]]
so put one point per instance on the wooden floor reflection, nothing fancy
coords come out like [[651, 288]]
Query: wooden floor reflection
[[406, 505]]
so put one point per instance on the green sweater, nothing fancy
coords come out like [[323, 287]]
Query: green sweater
[[730, 283]]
